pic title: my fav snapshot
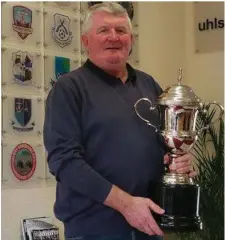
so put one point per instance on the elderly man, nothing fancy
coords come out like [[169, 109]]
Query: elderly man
[[104, 158]]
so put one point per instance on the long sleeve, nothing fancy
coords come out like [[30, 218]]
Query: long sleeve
[[63, 142]]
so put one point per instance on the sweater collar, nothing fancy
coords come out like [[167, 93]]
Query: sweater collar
[[108, 77]]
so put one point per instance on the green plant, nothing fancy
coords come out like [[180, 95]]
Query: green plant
[[208, 152]]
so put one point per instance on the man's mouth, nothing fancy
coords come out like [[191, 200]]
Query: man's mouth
[[113, 48]]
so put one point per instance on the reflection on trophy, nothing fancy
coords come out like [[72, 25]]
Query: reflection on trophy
[[178, 195]]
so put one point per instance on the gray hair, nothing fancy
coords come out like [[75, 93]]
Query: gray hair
[[110, 7]]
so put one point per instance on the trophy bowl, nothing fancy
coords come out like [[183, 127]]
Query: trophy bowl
[[177, 194]]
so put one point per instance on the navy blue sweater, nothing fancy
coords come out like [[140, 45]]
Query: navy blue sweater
[[95, 139]]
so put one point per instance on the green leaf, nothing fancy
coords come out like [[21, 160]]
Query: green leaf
[[210, 166]]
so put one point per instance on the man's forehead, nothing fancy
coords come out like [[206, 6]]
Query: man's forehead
[[105, 18]]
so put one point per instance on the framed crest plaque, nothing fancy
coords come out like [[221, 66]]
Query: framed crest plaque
[[21, 70], [22, 164], [22, 116], [23, 26], [61, 32], [57, 66]]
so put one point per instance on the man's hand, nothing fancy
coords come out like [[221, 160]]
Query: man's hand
[[138, 214], [182, 164], [136, 210]]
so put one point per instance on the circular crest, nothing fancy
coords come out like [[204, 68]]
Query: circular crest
[[23, 161]]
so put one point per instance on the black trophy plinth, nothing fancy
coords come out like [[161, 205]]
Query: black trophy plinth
[[181, 205]]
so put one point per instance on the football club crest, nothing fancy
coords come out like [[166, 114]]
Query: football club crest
[[61, 30], [62, 66], [23, 161], [22, 21], [22, 67], [23, 115]]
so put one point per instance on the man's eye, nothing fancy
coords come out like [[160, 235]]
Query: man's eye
[[103, 30], [121, 31]]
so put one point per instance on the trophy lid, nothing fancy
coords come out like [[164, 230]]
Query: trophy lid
[[179, 94]]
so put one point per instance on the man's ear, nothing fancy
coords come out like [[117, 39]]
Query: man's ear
[[84, 39], [132, 38], [132, 43]]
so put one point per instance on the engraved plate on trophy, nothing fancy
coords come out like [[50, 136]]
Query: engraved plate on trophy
[[23, 116], [57, 66], [61, 33], [21, 70], [22, 163], [23, 26]]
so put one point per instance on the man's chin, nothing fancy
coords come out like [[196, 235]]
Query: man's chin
[[115, 61]]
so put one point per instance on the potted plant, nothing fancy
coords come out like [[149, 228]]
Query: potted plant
[[208, 153]]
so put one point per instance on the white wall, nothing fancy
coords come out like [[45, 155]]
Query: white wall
[[204, 72], [20, 203], [165, 45], [162, 40]]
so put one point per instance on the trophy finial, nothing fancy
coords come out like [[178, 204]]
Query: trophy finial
[[180, 76]]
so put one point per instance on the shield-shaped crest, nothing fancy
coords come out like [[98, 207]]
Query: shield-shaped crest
[[22, 67], [61, 30], [22, 21], [22, 111], [62, 66]]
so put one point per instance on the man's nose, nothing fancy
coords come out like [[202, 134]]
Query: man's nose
[[113, 35]]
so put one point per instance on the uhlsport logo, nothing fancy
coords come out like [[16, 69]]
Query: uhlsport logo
[[208, 24]]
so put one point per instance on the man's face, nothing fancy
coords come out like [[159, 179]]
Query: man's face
[[109, 39]]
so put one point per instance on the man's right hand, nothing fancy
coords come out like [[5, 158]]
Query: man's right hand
[[138, 214], [136, 210]]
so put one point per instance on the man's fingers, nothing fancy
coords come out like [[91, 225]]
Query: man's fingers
[[166, 159], [183, 158], [193, 174], [154, 227], [154, 207], [147, 229], [184, 170], [183, 164]]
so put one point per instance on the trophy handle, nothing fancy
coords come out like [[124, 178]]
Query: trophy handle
[[220, 116], [151, 108]]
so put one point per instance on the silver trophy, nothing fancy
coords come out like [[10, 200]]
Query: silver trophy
[[178, 109]]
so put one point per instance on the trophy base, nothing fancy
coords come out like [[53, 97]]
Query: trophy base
[[179, 224], [181, 205]]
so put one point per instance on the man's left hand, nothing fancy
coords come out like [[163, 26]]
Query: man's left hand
[[182, 164]]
